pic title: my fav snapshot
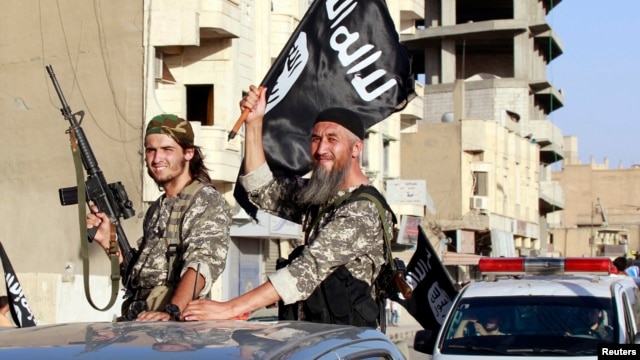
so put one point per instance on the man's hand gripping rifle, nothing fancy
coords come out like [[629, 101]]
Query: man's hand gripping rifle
[[111, 198]]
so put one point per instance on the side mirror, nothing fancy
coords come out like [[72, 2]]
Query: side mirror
[[424, 341]]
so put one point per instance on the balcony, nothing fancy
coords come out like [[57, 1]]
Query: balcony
[[551, 197], [282, 26], [491, 30], [220, 19], [549, 137], [548, 42], [174, 24], [414, 110], [410, 11], [546, 96], [185, 23]]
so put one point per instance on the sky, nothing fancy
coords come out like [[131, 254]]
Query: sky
[[599, 75]]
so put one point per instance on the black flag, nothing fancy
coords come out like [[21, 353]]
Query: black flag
[[433, 289], [342, 54], [20, 311]]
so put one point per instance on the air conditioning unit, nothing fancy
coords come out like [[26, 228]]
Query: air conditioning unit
[[479, 202]]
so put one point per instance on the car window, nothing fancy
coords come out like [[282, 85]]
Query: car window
[[499, 325]]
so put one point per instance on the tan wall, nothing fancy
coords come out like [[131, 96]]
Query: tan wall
[[96, 52], [619, 193], [573, 242], [433, 154]]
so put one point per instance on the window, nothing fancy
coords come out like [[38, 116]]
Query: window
[[480, 183], [200, 100], [561, 323], [364, 155]]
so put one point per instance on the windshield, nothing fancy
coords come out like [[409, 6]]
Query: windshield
[[532, 325]]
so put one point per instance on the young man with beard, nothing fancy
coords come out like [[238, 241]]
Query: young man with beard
[[185, 231], [334, 271]]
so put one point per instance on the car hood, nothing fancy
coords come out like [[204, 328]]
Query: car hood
[[175, 340]]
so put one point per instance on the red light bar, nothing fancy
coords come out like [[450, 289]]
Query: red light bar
[[545, 266], [578, 265], [501, 265]]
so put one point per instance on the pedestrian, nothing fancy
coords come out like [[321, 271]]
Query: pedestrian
[[626, 267], [185, 231], [394, 309], [344, 247]]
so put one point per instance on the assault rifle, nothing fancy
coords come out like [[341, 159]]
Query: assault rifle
[[111, 198]]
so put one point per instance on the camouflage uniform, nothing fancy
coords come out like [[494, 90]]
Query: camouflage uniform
[[205, 238], [350, 235]]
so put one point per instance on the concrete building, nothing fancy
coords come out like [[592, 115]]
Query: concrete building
[[123, 62], [602, 212], [485, 144]]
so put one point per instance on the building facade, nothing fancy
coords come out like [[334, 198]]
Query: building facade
[[485, 144], [601, 216]]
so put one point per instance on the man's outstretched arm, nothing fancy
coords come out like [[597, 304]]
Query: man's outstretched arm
[[255, 299]]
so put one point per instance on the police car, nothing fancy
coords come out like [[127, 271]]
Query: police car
[[542, 307]]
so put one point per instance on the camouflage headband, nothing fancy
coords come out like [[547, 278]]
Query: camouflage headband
[[179, 129]]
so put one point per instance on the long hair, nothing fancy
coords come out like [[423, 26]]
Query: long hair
[[197, 168]]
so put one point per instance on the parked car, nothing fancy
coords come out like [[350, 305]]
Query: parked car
[[195, 340], [544, 307]]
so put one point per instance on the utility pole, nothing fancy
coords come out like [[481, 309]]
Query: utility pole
[[605, 222], [592, 239]]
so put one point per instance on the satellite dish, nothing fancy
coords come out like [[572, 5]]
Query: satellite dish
[[447, 117]]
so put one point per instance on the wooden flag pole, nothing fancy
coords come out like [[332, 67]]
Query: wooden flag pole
[[240, 120]]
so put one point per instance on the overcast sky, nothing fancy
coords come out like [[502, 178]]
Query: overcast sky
[[599, 77]]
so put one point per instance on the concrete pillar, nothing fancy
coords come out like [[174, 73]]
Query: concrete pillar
[[432, 13], [448, 64]]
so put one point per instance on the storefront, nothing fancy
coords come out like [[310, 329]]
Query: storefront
[[254, 248]]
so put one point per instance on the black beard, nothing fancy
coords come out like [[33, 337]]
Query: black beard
[[322, 185]]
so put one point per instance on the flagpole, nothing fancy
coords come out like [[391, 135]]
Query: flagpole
[[241, 119]]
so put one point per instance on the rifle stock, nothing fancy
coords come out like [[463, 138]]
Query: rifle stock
[[111, 199]]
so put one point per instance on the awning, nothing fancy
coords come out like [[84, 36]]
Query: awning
[[454, 258], [267, 226]]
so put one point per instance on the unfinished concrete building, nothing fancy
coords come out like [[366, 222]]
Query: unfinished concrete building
[[485, 144]]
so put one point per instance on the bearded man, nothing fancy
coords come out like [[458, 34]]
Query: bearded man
[[331, 277]]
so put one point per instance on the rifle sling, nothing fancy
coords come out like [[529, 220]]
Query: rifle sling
[[82, 221], [385, 226], [172, 233]]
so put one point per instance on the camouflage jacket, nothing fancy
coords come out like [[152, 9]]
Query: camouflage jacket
[[349, 235], [204, 239]]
